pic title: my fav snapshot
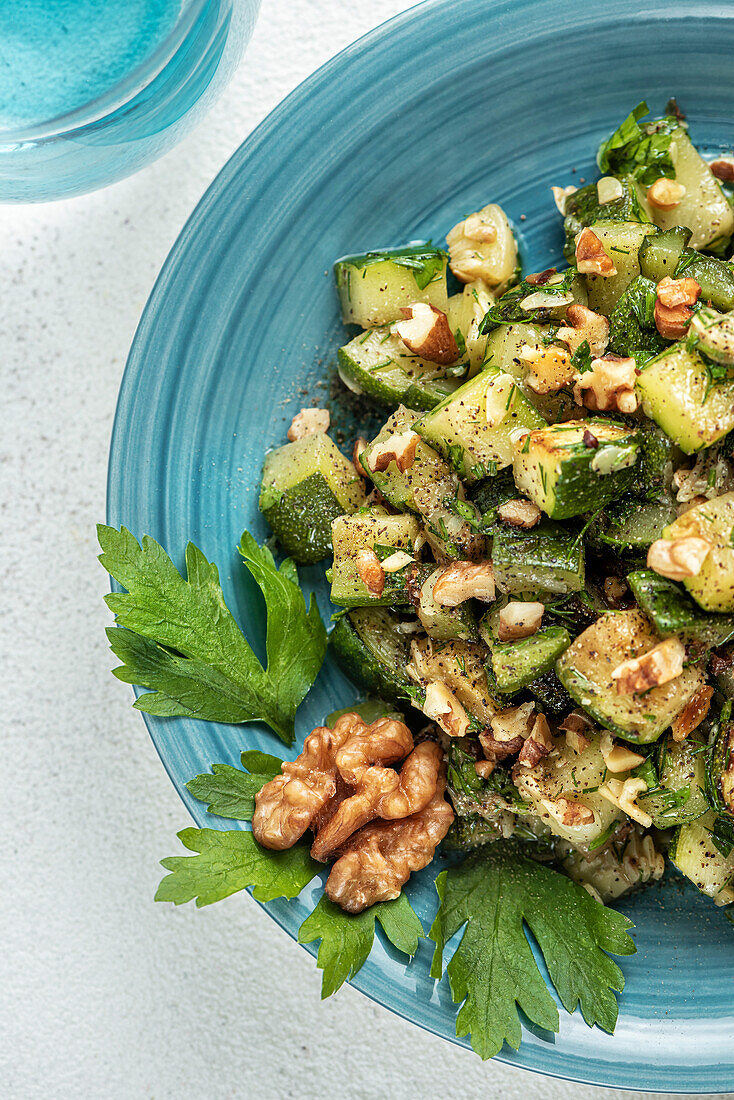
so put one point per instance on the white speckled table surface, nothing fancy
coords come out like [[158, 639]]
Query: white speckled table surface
[[102, 993]]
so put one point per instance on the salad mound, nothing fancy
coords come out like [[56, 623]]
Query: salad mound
[[538, 551], [532, 563]]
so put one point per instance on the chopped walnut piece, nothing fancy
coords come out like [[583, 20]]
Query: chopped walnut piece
[[608, 386], [609, 189], [519, 513], [585, 326], [399, 448], [360, 446], [286, 806], [537, 745], [507, 732], [560, 194], [677, 559], [663, 663], [381, 792], [568, 811], [678, 292], [550, 367], [575, 726], [672, 306], [379, 859], [484, 768], [308, 422], [693, 714], [665, 194], [576, 739], [540, 278], [464, 580], [370, 571], [591, 257], [519, 620], [624, 795], [723, 169], [443, 708], [426, 332], [616, 757], [672, 321]]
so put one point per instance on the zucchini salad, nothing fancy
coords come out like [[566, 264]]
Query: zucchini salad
[[533, 559]]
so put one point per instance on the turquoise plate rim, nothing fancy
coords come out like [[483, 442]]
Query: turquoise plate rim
[[549, 1062]]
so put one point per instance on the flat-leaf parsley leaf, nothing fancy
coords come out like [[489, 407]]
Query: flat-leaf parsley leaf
[[493, 972], [230, 791], [229, 861], [346, 939], [178, 638]]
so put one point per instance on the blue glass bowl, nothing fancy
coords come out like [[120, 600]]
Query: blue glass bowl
[[127, 82], [439, 111]]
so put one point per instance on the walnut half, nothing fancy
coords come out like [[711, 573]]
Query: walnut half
[[381, 793], [379, 859], [608, 386], [591, 256], [286, 806]]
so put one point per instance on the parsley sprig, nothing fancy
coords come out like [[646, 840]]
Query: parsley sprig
[[641, 151], [495, 893], [178, 638]]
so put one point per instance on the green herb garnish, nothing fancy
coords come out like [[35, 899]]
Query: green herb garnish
[[496, 893], [177, 637]]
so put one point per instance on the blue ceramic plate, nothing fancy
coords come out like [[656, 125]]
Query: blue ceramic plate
[[429, 117]]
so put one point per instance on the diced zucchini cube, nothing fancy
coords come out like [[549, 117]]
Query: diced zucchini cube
[[375, 531], [373, 653], [679, 794], [696, 856], [430, 488], [678, 393], [713, 586], [631, 524], [374, 286], [671, 611], [378, 364], [514, 665], [306, 485], [585, 670], [428, 476], [547, 558], [502, 352], [475, 427], [573, 776], [704, 208], [660, 253], [576, 466], [459, 665], [445, 624], [621, 241], [466, 313]]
